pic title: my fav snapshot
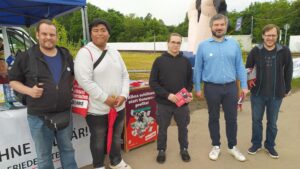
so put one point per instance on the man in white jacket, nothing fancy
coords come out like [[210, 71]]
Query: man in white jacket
[[108, 87]]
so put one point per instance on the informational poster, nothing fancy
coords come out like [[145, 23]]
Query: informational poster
[[141, 126], [296, 69], [17, 149]]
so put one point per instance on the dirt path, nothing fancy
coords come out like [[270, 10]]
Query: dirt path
[[288, 141]]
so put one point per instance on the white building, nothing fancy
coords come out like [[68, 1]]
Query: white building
[[244, 40]]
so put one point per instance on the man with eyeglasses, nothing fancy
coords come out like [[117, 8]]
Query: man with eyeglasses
[[274, 69], [170, 73], [219, 64]]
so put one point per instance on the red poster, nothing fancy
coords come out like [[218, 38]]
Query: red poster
[[141, 126]]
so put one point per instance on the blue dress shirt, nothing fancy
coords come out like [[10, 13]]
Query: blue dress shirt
[[219, 63]]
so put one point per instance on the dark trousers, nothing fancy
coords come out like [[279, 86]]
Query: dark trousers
[[164, 116], [98, 126], [225, 95]]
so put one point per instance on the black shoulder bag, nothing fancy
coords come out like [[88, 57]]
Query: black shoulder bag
[[61, 120], [99, 59]]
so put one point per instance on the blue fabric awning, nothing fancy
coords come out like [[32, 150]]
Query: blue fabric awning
[[28, 12]]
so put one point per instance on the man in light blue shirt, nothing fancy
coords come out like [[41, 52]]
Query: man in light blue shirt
[[219, 64]]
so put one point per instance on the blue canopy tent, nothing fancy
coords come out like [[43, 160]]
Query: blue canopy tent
[[28, 12]]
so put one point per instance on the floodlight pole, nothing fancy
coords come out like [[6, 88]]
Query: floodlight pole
[[252, 23], [154, 40], [286, 27]]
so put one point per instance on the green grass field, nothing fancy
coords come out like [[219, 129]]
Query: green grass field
[[296, 84], [144, 61], [139, 61]]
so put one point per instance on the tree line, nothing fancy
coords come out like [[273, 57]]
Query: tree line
[[132, 28], [125, 28]]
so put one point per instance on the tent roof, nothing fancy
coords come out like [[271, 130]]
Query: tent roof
[[28, 12]]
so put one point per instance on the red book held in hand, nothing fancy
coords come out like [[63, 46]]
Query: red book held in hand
[[183, 97], [251, 77]]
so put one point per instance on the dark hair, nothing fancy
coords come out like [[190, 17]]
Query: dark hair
[[97, 22], [43, 21], [174, 34], [269, 27], [218, 17]]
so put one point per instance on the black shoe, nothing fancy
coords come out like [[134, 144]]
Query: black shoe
[[161, 156], [253, 149], [185, 155], [272, 152]]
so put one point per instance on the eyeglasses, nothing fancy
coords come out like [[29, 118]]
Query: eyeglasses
[[270, 36], [175, 43]]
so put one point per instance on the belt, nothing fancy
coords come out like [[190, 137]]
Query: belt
[[220, 84]]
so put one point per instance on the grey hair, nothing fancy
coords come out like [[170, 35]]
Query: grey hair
[[218, 17]]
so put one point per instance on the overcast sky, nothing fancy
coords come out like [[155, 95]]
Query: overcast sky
[[172, 12]]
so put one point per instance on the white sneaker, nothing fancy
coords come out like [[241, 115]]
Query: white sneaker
[[214, 153], [235, 152], [100, 168], [121, 165]]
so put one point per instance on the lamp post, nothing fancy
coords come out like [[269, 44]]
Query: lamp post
[[286, 27], [252, 24], [154, 40]]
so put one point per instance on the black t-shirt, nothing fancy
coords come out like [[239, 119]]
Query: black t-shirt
[[268, 70]]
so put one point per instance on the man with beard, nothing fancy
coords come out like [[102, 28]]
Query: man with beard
[[47, 90], [218, 65], [274, 69]]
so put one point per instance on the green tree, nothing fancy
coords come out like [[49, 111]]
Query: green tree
[[182, 28], [295, 21], [277, 12], [63, 38]]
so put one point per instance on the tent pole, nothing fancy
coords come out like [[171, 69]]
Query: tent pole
[[84, 18]]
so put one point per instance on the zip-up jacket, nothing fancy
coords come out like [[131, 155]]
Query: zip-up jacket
[[282, 73], [169, 75], [56, 97]]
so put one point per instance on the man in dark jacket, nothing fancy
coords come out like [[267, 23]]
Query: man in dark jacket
[[48, 90], [274, 69], [170, 73]]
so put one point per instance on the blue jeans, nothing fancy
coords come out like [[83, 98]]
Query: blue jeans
[[43, 138], [258, 106]]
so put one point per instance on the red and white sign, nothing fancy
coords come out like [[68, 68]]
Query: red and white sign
[[141, 126]]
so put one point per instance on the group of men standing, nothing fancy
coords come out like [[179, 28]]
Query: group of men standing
[[218, 66]]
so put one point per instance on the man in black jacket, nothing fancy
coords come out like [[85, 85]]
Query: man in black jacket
[[48, 90], [170, 73], [274, 69]]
